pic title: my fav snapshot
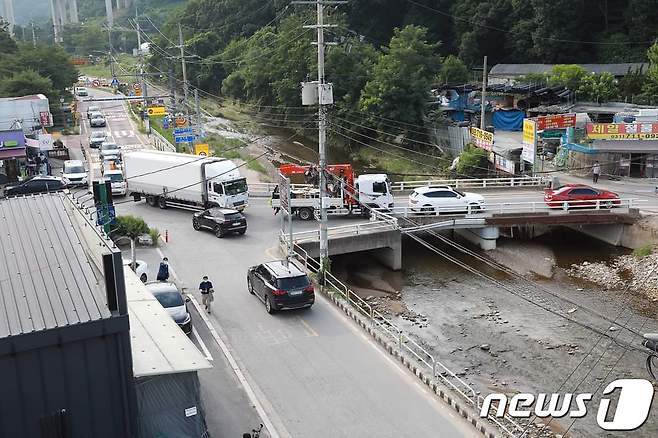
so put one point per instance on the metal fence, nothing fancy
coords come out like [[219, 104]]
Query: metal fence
[[160, 143], [266, 189], [440, 372]]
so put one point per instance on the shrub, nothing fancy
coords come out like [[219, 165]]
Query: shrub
[[643, 251]]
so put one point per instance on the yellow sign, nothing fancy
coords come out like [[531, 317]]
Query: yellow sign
[[157, 111], [482, 139], [138, 92], [529, 140], [202, 149]]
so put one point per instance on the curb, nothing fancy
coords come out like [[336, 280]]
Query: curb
[[464, 410]]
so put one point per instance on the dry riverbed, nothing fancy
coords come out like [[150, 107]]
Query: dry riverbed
[[527, 340]]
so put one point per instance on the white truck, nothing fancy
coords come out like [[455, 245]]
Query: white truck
[[193, 182], [374, 191]]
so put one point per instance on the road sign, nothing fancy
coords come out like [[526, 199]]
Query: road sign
[[185, 139], [115, 82], [183, 131], [96, 83], [202, 149], [137, 86], [157, 111], [284, 192], [180, 122]]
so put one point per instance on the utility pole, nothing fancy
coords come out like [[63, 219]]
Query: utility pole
[[197, 106], [110, 48], [172, 90], [483, 111], [181, 46], [145, 103], [34, 35], [322, 127]]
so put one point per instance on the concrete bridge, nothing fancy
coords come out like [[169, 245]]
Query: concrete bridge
[[382, 235]]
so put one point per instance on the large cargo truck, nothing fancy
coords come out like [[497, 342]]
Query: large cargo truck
[[170, 179]]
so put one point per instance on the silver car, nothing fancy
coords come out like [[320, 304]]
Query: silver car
[[97, 120]]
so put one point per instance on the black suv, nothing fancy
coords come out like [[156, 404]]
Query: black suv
[[220, 221], [38, 184], [280, 287]]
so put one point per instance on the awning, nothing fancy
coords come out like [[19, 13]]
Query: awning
[[8, 154]]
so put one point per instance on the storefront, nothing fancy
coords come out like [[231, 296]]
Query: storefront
[[12, 154]]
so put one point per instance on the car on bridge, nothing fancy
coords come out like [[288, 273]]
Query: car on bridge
[[445, 200], [580, 196], [280, 285]]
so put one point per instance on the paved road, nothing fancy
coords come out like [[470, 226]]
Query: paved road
[[313, 373]]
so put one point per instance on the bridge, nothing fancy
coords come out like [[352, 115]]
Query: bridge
[[382, 234]]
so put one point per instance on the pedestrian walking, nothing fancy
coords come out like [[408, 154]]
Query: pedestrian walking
[[596, 172], [207, 292], [163, 270]]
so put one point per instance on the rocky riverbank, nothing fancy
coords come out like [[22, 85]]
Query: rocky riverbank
[[638, 273]]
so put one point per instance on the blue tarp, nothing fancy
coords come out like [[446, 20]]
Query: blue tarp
[[457, 116], [508, 120]]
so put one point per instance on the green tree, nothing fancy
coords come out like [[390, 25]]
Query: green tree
[[24, 83], [598, 87], [402, 77], [52, 62], [569, 76], [453, 71], [349, 67], [7, 43], [472, 161], [631, 85]]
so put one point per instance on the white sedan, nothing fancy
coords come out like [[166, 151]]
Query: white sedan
[[444, 200], [141, 269]]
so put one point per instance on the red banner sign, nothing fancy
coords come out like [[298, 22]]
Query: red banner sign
[[622, 131], [556, 121]]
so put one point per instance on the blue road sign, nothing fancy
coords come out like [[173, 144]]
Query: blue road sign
[[183, 131], [115, 82], [185, 139]]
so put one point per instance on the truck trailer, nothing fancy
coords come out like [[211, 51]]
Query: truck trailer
[[170, 179]]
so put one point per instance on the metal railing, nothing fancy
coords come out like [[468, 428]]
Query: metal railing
[[405, 343], [266, 189], [342, 231], [490, 208], [160, 143]]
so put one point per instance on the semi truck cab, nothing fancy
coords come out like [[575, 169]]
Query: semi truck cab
[[229, 194], [375, 191]]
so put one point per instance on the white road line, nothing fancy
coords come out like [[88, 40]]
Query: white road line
[[231, 360], [202, 344]]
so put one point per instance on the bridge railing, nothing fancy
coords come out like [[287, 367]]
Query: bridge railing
[[264, 190], [491, 208], [404, 342], [342, 231]]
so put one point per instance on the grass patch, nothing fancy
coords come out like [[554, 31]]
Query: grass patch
[[102, 70], [156, 124], [406, 163], [643, 251], [228, 148], [255, 165]]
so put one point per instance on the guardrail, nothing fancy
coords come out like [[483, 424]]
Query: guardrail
[[341, 231], [488, 209], [265, 189], [440, 372], [160, 143]]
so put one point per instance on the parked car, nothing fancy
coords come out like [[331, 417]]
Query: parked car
[[97, 138], [580, 196], [110, 149], [74, 171], [168, 294], [444, 199], [117, 181], [97, 120], [280, 286], [220, 221], [82, 91], [37, 184], [141, 268]]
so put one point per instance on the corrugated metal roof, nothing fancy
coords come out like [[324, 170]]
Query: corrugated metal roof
[[524, 69], [158, 345], [46, 280]]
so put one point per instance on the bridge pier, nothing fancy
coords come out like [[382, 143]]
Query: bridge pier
[[484, 237]]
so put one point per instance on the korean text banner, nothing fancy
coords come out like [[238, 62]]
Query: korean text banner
[[556, 121], [482, 139], [529, 140], [622, 131]]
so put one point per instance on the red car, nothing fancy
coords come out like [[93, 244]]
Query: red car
[[580, 196]]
